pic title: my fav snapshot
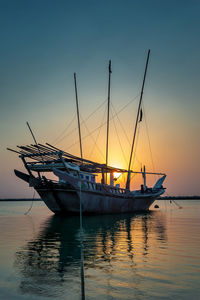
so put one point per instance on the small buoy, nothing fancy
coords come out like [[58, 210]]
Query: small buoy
[[156, 206]]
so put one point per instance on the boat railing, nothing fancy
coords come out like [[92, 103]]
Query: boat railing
[[86, 184], [92, 186]]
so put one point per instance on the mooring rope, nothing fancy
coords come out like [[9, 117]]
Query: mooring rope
[[31, 204]]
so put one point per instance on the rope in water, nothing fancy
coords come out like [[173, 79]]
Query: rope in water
[[31, 204]]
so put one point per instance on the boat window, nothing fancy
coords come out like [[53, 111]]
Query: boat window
[[87, 177]]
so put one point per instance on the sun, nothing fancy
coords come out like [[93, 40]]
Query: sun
[[116, 175]]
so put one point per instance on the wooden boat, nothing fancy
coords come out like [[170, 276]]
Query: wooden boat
[[76, 188]]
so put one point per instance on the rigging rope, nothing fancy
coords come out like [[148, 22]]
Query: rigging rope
[[150, 149], [66, 128], [98, 135], [152, 161], [103, 123], [73, 130], [121, 124], [119, 140], [92, 138]]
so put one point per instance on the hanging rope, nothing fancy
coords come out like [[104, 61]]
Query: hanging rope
[[173, 201], [31, 204]]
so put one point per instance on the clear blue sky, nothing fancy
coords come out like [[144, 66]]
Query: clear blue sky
[[44, 42]]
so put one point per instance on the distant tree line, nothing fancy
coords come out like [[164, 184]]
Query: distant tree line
[[179, 198]]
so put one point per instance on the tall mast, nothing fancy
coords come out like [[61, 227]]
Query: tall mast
[[29, 127], [108, 114], [77, 109], [137, 121]]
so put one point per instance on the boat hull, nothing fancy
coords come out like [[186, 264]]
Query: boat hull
[[68, 202], [66, 199]]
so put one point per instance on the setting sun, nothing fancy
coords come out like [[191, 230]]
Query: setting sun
[[117, 175]]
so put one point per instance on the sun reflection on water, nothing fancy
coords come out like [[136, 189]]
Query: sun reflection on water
[[114, 249]]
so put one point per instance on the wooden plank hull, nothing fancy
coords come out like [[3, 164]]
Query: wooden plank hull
[[65, 198], [68, 202]]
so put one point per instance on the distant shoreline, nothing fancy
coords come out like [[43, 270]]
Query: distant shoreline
[[21, 199], [160, 198], [179, 198]]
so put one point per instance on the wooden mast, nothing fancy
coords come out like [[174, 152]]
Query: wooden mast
[[136, 124], [108, 115], [23, 159], [29, 127], [77, 110]]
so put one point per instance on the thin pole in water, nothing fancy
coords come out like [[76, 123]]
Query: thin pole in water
[[82, 255]]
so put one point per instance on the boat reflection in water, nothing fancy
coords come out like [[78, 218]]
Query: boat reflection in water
[[117, 249]]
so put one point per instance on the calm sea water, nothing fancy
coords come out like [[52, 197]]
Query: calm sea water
[[153, 255]]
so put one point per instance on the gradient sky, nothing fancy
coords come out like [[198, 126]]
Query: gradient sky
[[44, 42]]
